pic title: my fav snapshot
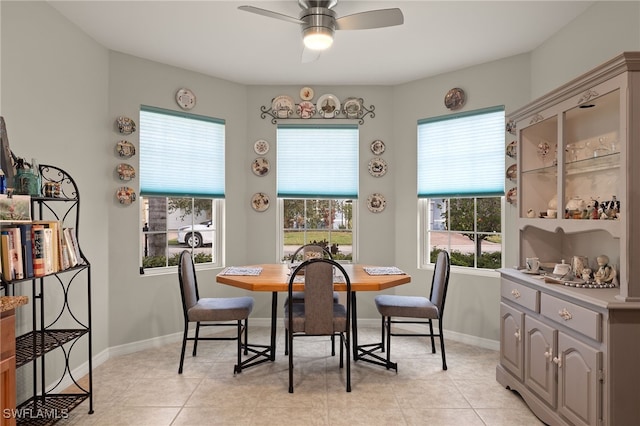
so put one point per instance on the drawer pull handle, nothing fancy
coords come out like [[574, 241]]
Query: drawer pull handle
[[548, 354], [517, 334], [515, 293], [558, 361], [565, 314]]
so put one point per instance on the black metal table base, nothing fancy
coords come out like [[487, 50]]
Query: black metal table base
[[262, 353]]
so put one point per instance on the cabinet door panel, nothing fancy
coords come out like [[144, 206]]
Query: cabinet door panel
[[540, 370], [511, 326], [579, 386]]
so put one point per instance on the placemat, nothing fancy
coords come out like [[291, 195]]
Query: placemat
[[383, 270], [336, 279], [241, 270]]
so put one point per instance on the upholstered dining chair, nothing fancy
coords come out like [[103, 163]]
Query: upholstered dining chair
[[420, 310], [302, 253], [210, 312], [318, 314]]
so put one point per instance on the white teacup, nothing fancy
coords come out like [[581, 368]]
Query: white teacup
[[532, 264], [551, 213]]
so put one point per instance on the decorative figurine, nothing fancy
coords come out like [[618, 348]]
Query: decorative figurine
[[605, 273]]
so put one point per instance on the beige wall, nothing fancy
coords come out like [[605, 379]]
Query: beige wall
[[61, 93]]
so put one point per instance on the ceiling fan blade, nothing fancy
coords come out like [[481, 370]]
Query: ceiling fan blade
[[309, 55], [271, 14], [371, 19]]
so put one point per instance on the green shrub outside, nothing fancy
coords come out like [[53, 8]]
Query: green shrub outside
[[161, 261], [491, 260]]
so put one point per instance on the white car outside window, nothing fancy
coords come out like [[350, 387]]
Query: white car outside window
[[196, 235]]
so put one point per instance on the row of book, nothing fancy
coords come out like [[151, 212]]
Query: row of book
[[36, 249]]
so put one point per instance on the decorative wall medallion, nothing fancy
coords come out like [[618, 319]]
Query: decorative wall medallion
[[454, 99], [512, 172], [306, 93], [378, 147], [306, 109], [377, 167], [260, 201], [512, 196], [125, 125], [511, 127], [283, 106], [512, 149], [125, 149], [352, 107], [261, 147], [328, 106], [126, 171], [376, 203], [260, 166]]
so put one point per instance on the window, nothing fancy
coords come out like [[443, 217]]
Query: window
[[317, 187], [460, 186], [181, 187]]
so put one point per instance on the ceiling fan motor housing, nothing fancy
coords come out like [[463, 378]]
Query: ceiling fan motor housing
[[318, 20]]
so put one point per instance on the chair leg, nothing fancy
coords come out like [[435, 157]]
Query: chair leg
[[388, 342], [238, 366], [290, 340], [195, 340], [382, 336], [184, 346], [444, 360], [286, 342], [246, 336], [433, 343], [342, 342], [333, 345], [347, 344]]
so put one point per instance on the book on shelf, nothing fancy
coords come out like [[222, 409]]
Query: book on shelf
[[7, 264], [37, 231], [69, 247], [55, 251], [11, 246], [27, 249], [49, 259], [74, 248]]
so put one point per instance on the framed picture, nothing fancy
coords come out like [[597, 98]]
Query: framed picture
[[16, 208]]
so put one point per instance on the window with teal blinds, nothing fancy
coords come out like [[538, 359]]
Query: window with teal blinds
[[317, 161], [462, 155], [181, 154]]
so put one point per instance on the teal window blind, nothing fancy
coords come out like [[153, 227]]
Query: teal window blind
[[181, 155], [317, 161], [462, 155]]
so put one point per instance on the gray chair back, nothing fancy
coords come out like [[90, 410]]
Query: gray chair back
[[318, 288], [440, 281], [188, 283]]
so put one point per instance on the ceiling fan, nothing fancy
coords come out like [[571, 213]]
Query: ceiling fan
[[318, 22]]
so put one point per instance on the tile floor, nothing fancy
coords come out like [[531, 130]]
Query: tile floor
[[144, 388]]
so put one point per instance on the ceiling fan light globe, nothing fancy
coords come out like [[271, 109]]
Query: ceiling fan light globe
[[318, 38]]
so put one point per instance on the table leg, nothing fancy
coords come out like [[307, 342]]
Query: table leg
[[274, 315], [366, 352], [354, 325]]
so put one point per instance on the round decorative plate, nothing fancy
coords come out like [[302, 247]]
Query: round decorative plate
[[454, 99], [126, 171], [306, 109], [512, 172], [352, 107], [511, 127], [125, 149], [512, 149], [512, 195], [282, 106], [306, 93], [125, 195], [376, 203], [260, 166], [261, 147], [260, 201], [377, 167], [377, 147], [328, 106], [186, 99], [125, 125]]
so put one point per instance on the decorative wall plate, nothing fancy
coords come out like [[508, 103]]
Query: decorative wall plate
[[511, 127], [125, 195], [283, 106], [126, 171], [378, 147], [512, 172], [306, 109], [512, 149], [352, 107], [454, 99], [377, 167], [260, 201], [376, 203], [260, 166], [261, 147], [125, 149], [306, 93], [328, 106], [185, 98], [125, 125], [512, 196]]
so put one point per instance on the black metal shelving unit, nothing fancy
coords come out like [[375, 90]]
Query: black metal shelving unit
[[65, 327]]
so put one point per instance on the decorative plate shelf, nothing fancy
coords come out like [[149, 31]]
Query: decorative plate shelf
[[339, 114]]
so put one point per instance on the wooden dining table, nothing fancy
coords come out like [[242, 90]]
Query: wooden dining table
[[274, 278]]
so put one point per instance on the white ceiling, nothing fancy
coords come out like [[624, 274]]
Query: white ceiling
[[217, 39]]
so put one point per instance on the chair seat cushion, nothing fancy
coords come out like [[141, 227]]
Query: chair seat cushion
[[339, 319], [221, 309], [406, 306]]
